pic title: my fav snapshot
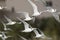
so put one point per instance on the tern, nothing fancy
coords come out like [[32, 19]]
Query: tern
[[3, 36], [38, 35], [26, 25], [10, 22], [36, 13], [48, 5], [27, 17]]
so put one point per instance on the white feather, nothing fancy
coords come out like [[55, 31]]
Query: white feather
[[10, 22], [26, 25], [36, 13]]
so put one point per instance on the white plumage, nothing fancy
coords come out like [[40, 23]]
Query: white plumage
[[26, 25], [10, 22], [3, 36], [36, 13], [40, 35], [27, 17]]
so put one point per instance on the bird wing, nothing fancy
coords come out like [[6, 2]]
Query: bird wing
[[26, 14], [9, 20], [33, 5], [26, 25]]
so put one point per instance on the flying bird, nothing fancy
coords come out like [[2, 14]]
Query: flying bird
[[26, 26], [40, 34], [10, 22], [48, 5], [3, 36], [36, 13]]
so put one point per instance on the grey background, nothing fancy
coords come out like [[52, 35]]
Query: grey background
[[25, 6]]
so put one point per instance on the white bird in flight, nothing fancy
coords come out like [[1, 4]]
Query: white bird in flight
[[38, 35], [51, 10], [36, 13], [27, 17], [10, 22], [3, 36], [26, 25]]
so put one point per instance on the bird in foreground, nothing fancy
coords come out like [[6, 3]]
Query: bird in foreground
[[27, 17], [35, 9], [5, 28], [36, 13], [10, 22], [3, 36], [26, 26], [40, 35]]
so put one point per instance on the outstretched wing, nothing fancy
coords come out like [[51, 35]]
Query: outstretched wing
[[9, 20], [26, 14], [33, 5], [26, 25]]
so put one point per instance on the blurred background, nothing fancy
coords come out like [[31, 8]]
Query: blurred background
[[45, 22]]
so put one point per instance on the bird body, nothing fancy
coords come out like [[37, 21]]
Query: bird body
[[3, 36], [10, 22], [37, 34], [27, 17], [36, 13], [26, 25]]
